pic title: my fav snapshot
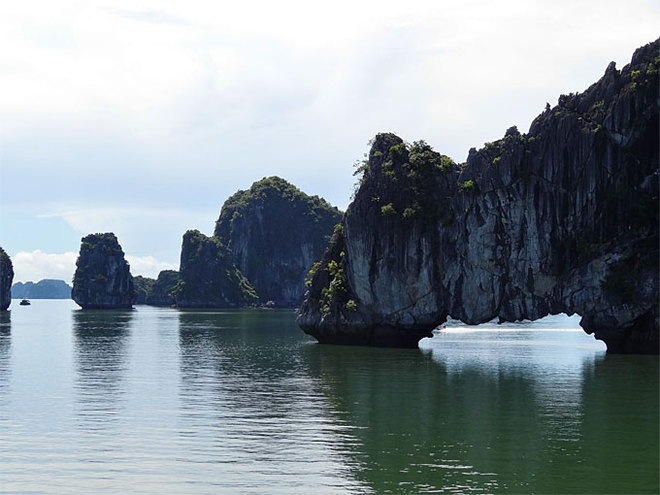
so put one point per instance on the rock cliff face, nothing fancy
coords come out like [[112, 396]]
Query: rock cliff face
[[159, 292], [275, 233], [143, 287], [102, 279], [6, 278], [209, 278], [562, 219], [163, 290]]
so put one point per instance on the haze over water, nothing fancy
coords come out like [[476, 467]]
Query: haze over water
[[158, 400]]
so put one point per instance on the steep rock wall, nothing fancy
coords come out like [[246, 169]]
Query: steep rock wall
[[562, 219], [275, 233], [6, 278], [143, 287], [209, 277], [163, 290], [103, 278]]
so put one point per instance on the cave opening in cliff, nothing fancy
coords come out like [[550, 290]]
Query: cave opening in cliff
[[560, 321], [561, 326]]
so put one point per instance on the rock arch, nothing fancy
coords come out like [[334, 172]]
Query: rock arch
[[563, 219]]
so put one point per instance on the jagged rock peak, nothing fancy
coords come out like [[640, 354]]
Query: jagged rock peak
[[6, 278], [275, 232], [102, 279], [563, 219]]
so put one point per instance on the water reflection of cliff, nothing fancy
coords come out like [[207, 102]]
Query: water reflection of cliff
[[414, 431], [5, 349], [100, 339], [621, 427], [423, 423], [247, 359], [250, 406]]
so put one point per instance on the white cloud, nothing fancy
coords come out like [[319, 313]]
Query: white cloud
[[124, 106], [143, 233], [110, 218], [37, 265], [155, 71], [148, 266]]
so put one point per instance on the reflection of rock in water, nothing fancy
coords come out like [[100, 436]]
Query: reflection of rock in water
[[235, 352], [415, 424], [5, 350], [621, 397], [5, 322], [245, 384], [251, 344], [100, 354]]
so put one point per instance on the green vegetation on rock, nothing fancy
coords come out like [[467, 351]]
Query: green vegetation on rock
[[467, 185], [330, 276], [159, 292], [143, 287], [388, 210], [275, 233], [164, 289], [408, 175], [208, 276]]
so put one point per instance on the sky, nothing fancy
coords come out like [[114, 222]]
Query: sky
[[141, 117]]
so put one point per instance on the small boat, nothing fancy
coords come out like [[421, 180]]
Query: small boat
[[25, 302]]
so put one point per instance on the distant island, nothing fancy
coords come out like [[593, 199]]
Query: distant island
[[44, 289]]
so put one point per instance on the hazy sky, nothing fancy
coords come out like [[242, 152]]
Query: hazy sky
[[142, 117]]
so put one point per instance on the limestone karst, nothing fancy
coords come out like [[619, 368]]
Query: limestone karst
[[562, 219]]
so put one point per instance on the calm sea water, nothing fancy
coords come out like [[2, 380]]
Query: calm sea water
[[242, 402]]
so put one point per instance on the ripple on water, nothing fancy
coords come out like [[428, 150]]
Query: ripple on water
[[156, 400]]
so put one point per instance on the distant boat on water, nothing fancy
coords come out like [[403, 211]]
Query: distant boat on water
[[25, 302]]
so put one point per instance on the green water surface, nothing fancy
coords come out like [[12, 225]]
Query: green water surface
[[157, 400]]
